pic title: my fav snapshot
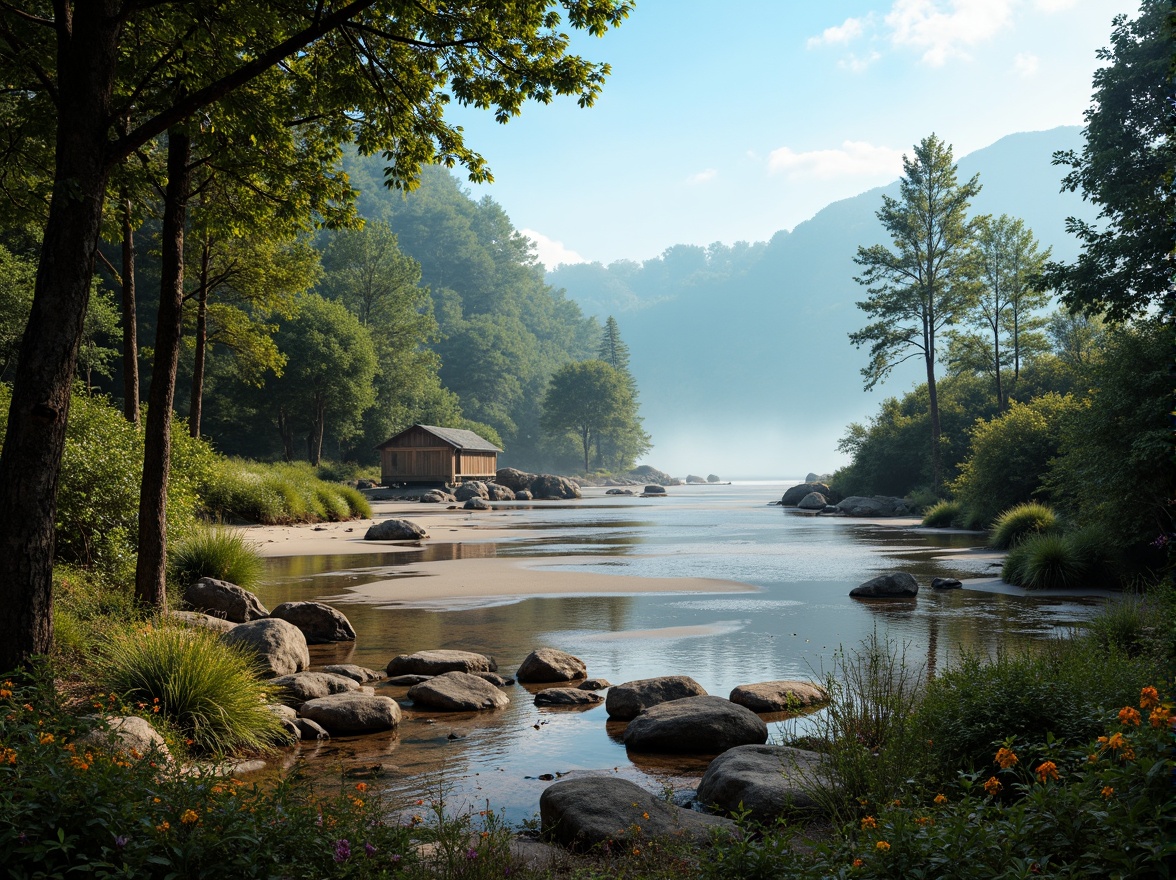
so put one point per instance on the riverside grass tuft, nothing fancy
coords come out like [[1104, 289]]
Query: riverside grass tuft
[[276, 494], [1058, 561], [216, 552], [1017, 523], [206, 690], [943, 514]]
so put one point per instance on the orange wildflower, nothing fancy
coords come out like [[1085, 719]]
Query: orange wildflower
[[1108, 792], [1159, 716], [869, 822], [7, 756], [1148, 698], [1047, 770], [361, 787], [882, 846], [5, 693], [189, 817], [1006, 758], [163, 827], [45, 739], [857, 863], [924, 820], [1129, 715], [940, 799], [992, 787]]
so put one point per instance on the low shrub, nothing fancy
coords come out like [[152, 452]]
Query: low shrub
[[89, 607], [68, 809], [277, 494], [207, 690], [1060, 561], [216, 552], [1013, 569], [1062, 690], [942, 514], [1016, 523]]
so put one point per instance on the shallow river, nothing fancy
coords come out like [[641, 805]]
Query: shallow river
[[795, 614]]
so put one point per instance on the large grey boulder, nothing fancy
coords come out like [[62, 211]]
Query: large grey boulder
[[472, 489], [567, 697], [439, 662], [778, 696], [550, 664], [695, 726], [395, 530], [360, 674], [280, 647], [296, 689], [946, 583], [877, 505], [769, 781], [458, 692], [310, 730], [551, 487], [523, 495], [653, 489], [813, 501], [625, 701], [477, 504], [436, 496], [352, 713], [128, 735], [223, 599], [591, 811], [794, 495], [513, 479], [897, 585], [499, 493], [201, 620], [321, 624]]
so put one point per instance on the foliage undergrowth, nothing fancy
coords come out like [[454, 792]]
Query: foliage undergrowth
[[942, 514], [1017, 523], [1061, 560], [206, 690], [216, 552], [279, 493]]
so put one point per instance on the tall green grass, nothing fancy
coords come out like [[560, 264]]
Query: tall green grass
[[278, 494], [207, 690], [942, 514], [216, 552], [1017, 523], [1060, 561]]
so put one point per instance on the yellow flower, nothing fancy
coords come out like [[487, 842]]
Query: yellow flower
[[993, 786], [1129, 715], [163, 827], [1159, 716], [1148, 697], [1117, 742], [882, 846], [869, 822], [1047, 770], [1006, 758], [45, 739], [79, 763], [5, 693], [357, 802], [1108, 792], [189, 817], [7, 756], [940, 800]]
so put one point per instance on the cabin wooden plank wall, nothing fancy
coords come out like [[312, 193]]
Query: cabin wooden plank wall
[[418, 455], [419, 465], [477, 464]]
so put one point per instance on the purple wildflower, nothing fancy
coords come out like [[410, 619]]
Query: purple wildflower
[[369, 849], [471, 853], [342, 850], [121, 841]]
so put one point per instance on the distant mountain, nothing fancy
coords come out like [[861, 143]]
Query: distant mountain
[[742, 353]]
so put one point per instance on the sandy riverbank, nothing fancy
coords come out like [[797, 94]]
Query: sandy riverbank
[[455, 582]]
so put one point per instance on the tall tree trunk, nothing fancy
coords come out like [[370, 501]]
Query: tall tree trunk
[[287, 434], [315, 440], [35, 436], [195, 406], [936, 465], [130, 324], [1000, 396], [150, 584]]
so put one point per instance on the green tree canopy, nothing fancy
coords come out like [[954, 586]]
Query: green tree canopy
[[1126, 168], [589, 399], [923, 282]]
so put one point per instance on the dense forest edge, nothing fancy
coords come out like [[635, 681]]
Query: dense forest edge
[[324, 284]]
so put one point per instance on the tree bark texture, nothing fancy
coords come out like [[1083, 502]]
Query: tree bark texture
[[130, 323], [35, 437], [150, 584]]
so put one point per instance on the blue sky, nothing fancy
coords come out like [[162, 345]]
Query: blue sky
[[730, 121]]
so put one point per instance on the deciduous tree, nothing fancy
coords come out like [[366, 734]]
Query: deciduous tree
[[924, 282], [589, 399]]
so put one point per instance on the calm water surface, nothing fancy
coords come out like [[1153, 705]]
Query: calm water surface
[[795, 614]]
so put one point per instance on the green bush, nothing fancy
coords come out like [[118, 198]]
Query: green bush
[[67, 809], [942, 514], [1010, 453], [207, 690], [216, 552], [88, 608], [277, 494], [1060, 561], [1064, 689], [1015, 566], [1015, 524]]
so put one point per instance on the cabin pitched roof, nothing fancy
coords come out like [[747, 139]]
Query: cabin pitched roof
[[458, 438]]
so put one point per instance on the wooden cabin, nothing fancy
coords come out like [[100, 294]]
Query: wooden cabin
[[428, 454]]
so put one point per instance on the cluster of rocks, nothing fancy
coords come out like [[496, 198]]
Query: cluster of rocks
[[691, 479], [817, 497], [899, 585]]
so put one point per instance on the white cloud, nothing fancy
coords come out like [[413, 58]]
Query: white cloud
[[945, 28], [854, 159], [551, 253], [856, 64], [841, 34], [702, 177], [1026, 64], [1055, 5]]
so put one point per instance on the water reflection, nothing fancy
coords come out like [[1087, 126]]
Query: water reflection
[[796, 614]]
